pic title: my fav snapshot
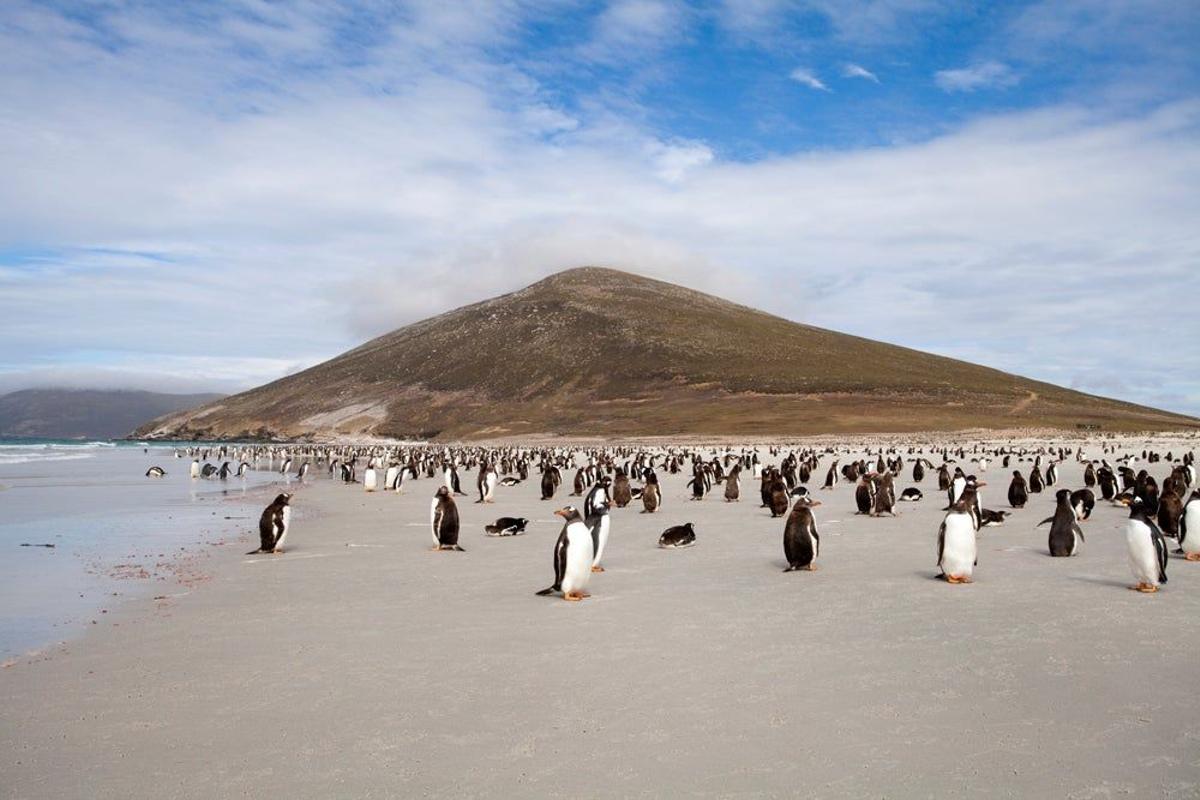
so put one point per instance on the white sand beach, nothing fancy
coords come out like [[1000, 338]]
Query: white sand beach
[[360, 664]]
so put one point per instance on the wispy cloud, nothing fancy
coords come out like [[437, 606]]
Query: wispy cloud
[[857, 71], [988, 75], [809, 79], [193, 214]]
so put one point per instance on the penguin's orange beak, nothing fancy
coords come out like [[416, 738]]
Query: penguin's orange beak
[[562, 512]]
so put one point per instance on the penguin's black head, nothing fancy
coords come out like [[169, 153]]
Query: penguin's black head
[[1062, 494], [282, 500], [442, 492]]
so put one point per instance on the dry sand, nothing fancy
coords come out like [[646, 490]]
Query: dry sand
[[359, 664]]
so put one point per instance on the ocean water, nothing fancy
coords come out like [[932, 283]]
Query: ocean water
[[115, 533]]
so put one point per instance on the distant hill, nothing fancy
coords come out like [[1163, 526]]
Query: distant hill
[[595, 351], [86, 413]]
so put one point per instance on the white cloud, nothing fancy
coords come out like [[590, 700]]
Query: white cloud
[[196, 241], [857, 71], [808, 78], [988, 75], [631, 29]]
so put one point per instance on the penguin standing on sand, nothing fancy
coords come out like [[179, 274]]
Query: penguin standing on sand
[[443, 518], [572, 557], [958, 550], [651, 499], [1018, 490], [733, 484], [370, 479], [622, 495], [1189, 528], [273, 525], [195, 469], [550, 480], [486, 483], [595, 513], [1147, 549], [801, 543], [1065, 533]]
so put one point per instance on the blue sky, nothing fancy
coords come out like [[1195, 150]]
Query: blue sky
[[209, 196]]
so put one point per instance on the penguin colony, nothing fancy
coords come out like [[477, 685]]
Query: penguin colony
[[609, 477]]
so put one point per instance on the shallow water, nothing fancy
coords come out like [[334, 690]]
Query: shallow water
[[115, 532]]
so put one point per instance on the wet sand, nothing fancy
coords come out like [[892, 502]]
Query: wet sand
[[361, 664]]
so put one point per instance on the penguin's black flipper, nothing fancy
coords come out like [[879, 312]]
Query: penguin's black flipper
[[255, 552], [1079, 532], [547, 591], [1043, 522]]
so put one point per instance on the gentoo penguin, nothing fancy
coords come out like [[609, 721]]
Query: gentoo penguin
[[443, 518], [195, 470], [958, 550], [303, 471], [989, 518], [864, 494], [651, 499], [621, 493], [595, 514], [242, 469], [678, 536], [801, 543], [579, 485], [1052, 473], [1036, 484], [155, 472], [507, 526], [550, 480], [778, 500], [391, 477], [1083, 501], [1065, 533], [287, 465], [370, 479], [831, 477], [1018, 490], [273, 525], [956, 486], [911, 494], [207, 471], [486, 483], [1147, 549], [1170, 510], [572, 557], [733, 484], [885, 495], [1189, 528]]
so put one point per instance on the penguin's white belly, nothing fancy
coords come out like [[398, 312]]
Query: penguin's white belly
[[602, 539], [959, 547], [369, 480], [1143, 560], [958, 487], [579, 559], [287, 523], [489, 486], [195, 469], [389, 478], [1191, 514]]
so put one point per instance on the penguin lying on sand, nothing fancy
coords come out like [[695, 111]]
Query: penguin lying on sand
[[507, 526]]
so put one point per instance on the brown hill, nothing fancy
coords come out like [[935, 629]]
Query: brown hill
[[595, 351]]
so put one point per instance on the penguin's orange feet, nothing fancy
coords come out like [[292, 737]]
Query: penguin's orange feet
[[597, 568], [811, 568], [953, 579], [1192, 556], [573, 597], [1148, 588]]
